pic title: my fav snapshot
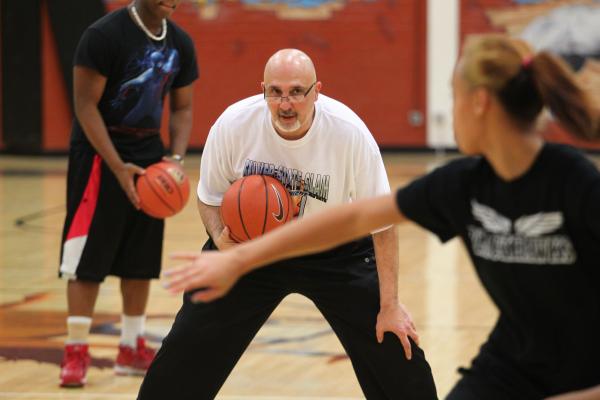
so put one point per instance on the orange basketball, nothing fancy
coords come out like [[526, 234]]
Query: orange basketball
[[163, 190], [254, 205]]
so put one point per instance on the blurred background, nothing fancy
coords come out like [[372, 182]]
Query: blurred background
[[389, 60]]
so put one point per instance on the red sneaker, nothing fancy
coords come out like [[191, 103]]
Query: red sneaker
[[132, 361], [74, 366]]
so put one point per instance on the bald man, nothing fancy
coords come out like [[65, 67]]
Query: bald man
[[324, 154]]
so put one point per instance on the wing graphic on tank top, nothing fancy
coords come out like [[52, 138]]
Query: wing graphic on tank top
[[490, 219], [538, 224]]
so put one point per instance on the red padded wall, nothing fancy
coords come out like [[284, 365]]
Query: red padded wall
[[369, 55]]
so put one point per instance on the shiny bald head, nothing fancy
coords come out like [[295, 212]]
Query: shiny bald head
[[290, 64]]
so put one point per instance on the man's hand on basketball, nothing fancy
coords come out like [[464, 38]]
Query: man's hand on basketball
[[213, 272], [125, 176], [224, 241], [397, 320]]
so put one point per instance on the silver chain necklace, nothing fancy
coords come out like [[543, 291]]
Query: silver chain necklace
[[152, 36]]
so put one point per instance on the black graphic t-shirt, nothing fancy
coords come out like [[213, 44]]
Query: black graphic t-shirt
[[535, 243], [139, 72]]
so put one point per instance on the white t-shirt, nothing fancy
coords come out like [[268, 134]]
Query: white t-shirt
[[335, 162]]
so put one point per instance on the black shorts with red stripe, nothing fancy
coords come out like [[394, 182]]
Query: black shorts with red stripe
[[103, 233]]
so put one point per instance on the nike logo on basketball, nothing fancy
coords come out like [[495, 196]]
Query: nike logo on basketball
[[279, 215]]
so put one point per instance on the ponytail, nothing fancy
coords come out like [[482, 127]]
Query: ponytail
[[525, 82], [568, 102]]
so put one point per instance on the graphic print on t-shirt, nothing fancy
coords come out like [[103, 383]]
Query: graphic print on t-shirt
[[301, 185], [499, 239], [141, 94]]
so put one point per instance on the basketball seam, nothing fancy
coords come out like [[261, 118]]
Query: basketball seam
[[148, 182], [234, 237], [239, 204], [266, 203]]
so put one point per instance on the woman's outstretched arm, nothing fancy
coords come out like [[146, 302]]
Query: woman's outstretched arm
[[216, 272]]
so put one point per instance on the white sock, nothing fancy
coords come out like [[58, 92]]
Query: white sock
[[78, 329], [131, 327]]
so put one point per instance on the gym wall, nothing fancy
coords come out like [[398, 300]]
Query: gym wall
[[389, 60], [517, 17], [369, 55]]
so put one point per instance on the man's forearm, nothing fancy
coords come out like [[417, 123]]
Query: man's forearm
[[386, 254], [211, 218]]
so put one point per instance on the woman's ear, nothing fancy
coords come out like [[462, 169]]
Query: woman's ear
[[481, 99]]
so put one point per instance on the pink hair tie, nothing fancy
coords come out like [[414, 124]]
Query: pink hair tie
[[526, 63]]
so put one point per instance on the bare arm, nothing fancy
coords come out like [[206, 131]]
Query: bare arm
[[386, 254], [211, 218], [587, 394], [88, 86], [180, 122], [217, 272], [393, 316], [319, 232]]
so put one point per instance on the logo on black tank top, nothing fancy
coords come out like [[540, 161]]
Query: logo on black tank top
[[529, 240]]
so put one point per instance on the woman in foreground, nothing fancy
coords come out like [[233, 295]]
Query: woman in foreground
[[527, 211]]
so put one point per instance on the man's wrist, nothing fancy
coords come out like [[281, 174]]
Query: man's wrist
[[389, 303], [177, 157]]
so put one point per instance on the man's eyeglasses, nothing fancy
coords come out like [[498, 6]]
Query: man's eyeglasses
[[296, 95]]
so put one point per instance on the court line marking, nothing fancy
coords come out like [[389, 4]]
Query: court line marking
[[87, 396]]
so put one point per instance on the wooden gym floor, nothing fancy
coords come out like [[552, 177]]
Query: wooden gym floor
[[295, 355]]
